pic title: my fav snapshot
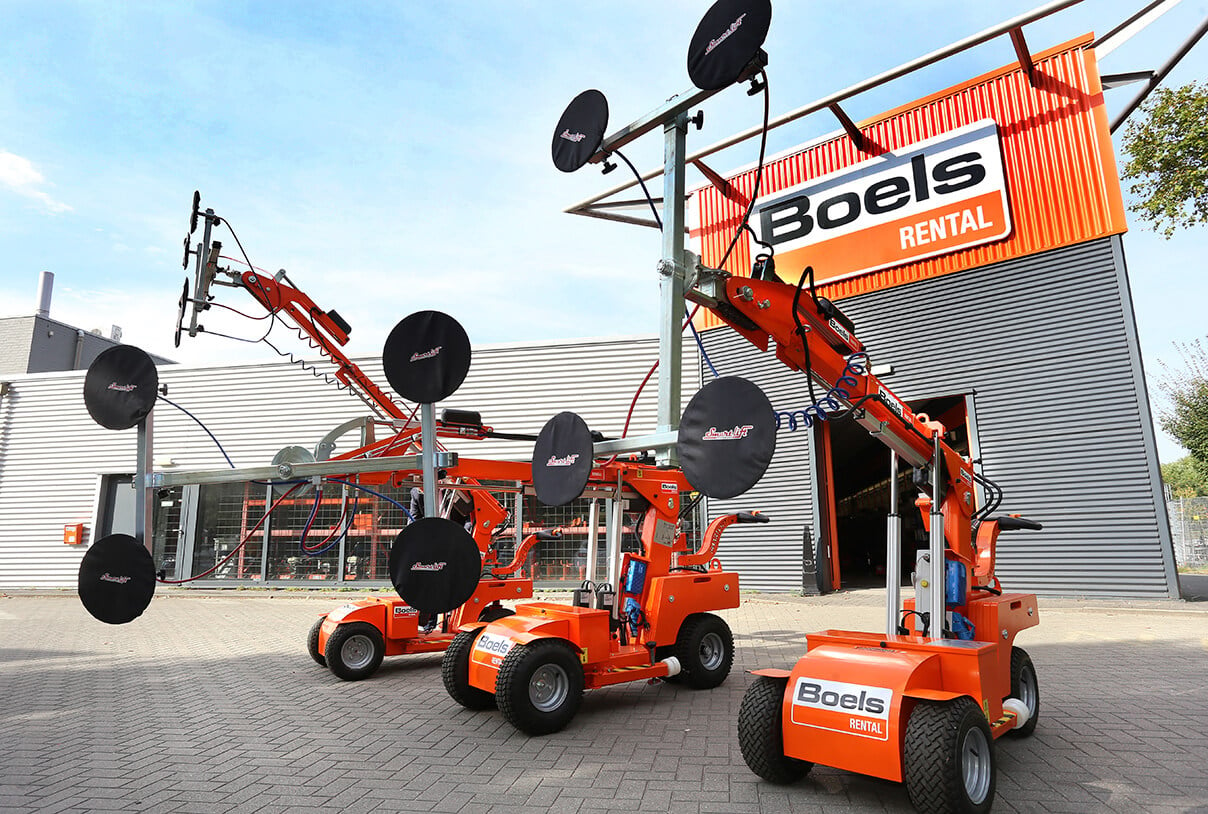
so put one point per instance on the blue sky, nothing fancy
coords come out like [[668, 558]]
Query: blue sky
[[395, 156]]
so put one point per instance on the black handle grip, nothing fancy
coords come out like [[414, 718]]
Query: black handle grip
[[752, 517], [549, 535], [1008, 523]]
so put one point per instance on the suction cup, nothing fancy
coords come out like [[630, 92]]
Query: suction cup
[[180, 310], [120, 386], [727, 437], [727, 39], [426, 357], [561, 459], [435, 565], [117, 579], [196, 211], [293, 455], [580, 130]]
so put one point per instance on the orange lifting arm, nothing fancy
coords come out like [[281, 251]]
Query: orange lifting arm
[[522, 552], [326, 332], [820, 341], [712, 537]]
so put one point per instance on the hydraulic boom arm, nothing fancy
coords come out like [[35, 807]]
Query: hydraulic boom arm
[[811, 335]]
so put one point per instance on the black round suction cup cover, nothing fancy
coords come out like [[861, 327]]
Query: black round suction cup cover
[[727, 39], [180, 312], [580, 130], [727, 437], [117, 579], [426, 357], [562, 459], [120, 387], [435, 565]]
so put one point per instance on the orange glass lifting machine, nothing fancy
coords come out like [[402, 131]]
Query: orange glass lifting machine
[[353, 639], [924, 701], [656, 624]]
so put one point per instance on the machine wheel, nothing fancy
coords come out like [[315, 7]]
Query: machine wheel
[[312, 641], [493, 612], [455, 672], [705, 649], [540, 686], [761, 733], [355, 650], [1025, 688], [948, 757]]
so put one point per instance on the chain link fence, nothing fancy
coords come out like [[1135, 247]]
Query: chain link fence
[[1189, 528]]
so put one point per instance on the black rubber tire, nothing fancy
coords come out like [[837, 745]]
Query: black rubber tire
[[312, 642], [1026, 688], [530, 673], [455, 672], [761, 733], [355, 650], [705, 649], [948, 758], [493, 612]]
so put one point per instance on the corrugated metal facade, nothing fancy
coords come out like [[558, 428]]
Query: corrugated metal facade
[[52, 454], [769, 557], [1049, 346], [1059, 165]]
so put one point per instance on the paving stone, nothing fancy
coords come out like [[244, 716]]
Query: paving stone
[[209, 703]]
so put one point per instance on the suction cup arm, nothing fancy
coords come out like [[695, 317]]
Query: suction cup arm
[[711, 539]]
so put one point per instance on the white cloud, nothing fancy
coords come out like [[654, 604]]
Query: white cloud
[[21, 176]]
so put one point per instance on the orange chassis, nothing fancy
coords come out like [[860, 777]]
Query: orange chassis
[[829, 710], [353, 639], [397, 625]]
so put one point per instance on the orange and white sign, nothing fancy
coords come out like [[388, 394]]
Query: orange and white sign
[[929, 198], [852, 709]]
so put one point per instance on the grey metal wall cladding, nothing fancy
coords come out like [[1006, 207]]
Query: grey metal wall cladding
[[52, 454], [768, 557], [1049, 346]]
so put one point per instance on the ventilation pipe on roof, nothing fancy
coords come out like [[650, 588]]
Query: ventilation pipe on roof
[[46, 284], [79, 349]]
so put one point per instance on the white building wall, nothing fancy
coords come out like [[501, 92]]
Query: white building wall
[[52, 455]]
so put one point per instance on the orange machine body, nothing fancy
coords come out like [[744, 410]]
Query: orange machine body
[[398, 622], [665, 597], [847, 700]]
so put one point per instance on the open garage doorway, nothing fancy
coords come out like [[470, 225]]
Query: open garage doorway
[[853, 493]]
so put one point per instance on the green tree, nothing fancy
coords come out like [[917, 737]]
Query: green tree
[[1185, 416], [1185, 478], [1168, 158]]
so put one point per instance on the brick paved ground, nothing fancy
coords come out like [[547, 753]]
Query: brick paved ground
[[209, 703]]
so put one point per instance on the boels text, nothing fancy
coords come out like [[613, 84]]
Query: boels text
[[926, 199], [839, 706]]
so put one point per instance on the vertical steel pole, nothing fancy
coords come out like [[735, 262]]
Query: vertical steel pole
[[936, 548], [143, 502], [615, 507], [671, 285], [266, 535], [593, 539], [427, 431], [893, 553], [518, 516]]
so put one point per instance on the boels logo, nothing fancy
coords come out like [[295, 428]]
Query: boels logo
[[853, 709], [490, 649], [931, 198]]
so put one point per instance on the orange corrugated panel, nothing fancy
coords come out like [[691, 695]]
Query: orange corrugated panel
[[1060, 174]]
